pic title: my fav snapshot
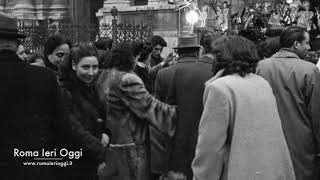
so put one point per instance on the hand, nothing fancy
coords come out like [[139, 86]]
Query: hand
[[105, 140], [168, 59], [101, 168]]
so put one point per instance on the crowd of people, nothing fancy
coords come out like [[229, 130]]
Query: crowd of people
[[224, 109]]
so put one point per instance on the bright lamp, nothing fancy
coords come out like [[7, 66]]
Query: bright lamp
[[192, 17]]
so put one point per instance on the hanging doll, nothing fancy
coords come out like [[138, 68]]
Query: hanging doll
[[204, 15], [305, 16], [225, 16]]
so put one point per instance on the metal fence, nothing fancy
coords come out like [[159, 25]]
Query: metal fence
[[79, 34]]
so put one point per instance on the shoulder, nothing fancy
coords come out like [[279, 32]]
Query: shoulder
[[219, 84], [40, 73], [131, 77], [266, 61], [167, 70]]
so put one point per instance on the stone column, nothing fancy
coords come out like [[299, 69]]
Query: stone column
[[59, 9], [2, 5], [23, 9]]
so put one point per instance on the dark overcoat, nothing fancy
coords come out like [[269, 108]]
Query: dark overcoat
[[184, 83], [31, 116], [86, 117]]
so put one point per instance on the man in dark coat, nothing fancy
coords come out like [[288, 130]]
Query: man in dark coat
[[183, 84], [296, 86], [30, 108]]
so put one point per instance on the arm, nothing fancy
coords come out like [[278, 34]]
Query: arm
[[210, 151], [154, 70], [145, 106], [313, 104]]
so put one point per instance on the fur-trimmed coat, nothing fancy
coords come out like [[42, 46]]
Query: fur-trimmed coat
[[130, 109]]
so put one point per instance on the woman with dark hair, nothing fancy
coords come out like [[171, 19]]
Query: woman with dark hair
[[56, 48], [131, 109], [85, 112], [240, 133]]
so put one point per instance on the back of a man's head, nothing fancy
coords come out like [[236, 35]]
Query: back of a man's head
[[206, 42], [291, 35]]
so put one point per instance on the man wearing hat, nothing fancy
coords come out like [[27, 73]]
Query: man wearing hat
[[183, 84], [30, 109]]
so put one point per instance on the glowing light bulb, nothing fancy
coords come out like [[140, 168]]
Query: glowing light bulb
[[192, 17]]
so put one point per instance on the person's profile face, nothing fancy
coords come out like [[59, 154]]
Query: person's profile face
[[21, 52], [157, 50], [303, 47], [58, 54]]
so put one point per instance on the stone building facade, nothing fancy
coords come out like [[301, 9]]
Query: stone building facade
[[75, 11]]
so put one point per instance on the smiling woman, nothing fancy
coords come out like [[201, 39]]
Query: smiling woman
[[77, 77]]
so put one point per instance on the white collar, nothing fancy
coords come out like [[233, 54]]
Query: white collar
[[143, 65]]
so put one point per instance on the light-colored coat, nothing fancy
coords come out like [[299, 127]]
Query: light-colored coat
[[240, 134], [296, 86]]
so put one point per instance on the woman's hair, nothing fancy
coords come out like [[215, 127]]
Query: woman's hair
[[83, 51], [51, 44], [66, 73], [145, 52], [235, 54], [103, 43], [122, 58]]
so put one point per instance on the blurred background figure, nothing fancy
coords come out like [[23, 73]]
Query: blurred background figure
[[104, 46], [21, 52], [56, 49]]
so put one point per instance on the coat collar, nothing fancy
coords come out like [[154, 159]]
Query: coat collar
[[142, 65], [217, 75], [286, 53], [206, 59], [187, 60]]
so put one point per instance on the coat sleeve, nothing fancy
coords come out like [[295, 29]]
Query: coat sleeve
[[145, 106], [211, 149], [313, 103]]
